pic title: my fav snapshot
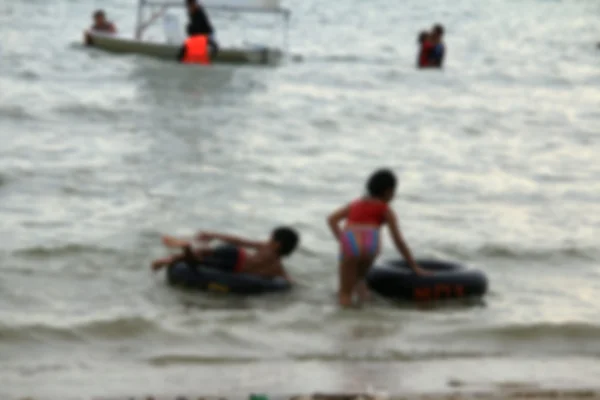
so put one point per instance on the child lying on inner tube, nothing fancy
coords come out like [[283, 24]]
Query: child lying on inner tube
[[359, 238], [232, 257]]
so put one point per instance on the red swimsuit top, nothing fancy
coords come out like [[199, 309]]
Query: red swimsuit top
[[367, 212]]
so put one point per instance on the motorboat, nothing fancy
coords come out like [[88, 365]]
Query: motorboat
[[150, 11]]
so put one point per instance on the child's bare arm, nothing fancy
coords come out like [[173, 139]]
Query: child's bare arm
[[171, 241], [392, 222], [283, 273], [334, 220], [234, 240]]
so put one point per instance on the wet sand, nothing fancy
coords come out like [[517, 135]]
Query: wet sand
[[491, 379], [516, 394]]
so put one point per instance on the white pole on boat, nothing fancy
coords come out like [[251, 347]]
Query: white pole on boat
[[286, 34], [138, 25]]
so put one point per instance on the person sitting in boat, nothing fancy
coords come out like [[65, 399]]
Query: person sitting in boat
[[200, 24], [436, 58], [425, 49], [101, 24], [264, 261]]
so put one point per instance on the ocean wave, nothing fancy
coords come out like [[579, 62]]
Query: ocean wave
[[346, 58], [183, 359], [540, 331], [122, 327], [115, 328], [398, 355], [16, 113], [94, 112], [19, 333], [576, 340], [62, 250], [386, 356], [510, 252]]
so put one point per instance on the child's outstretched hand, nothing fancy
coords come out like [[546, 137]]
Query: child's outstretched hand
[[171, 241], [160, 263], [422, 272]]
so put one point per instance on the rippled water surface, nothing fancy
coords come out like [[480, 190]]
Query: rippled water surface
[[498, 160]]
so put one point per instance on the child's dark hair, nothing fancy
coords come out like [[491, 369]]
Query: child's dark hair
[[422, 37], [287, 238], [438, 29], [380, 182]]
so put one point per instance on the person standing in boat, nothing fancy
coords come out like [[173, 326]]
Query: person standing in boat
[[200, 24]]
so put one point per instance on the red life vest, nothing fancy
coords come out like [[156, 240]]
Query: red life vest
[[197, 50]]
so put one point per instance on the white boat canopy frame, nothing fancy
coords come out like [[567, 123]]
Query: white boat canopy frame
[[233, 6]]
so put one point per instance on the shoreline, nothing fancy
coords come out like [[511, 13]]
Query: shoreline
[[500, 394], [514, 394], [544, 378]]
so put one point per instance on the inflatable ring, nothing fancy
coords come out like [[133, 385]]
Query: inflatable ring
[[212, 280], [394, 279]]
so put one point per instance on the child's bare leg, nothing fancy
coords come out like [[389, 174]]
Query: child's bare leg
[[347, 275], [187, 255], [196, 255], [362, 290], [171, 241]]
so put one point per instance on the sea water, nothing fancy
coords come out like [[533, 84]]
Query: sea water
[[497, 157]]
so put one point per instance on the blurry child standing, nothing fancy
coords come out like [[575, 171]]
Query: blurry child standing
[[360, 237]]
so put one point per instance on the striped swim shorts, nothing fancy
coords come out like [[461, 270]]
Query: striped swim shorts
[[359, 242]]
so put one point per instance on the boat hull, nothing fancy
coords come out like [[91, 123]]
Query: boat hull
[[167, 51]]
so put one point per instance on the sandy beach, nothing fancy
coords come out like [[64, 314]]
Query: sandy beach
[[506, 394]]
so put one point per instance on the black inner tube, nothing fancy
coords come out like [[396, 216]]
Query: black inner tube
[[207, 278], [394, 279], [429, 265]]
